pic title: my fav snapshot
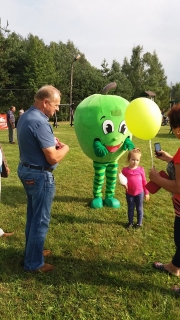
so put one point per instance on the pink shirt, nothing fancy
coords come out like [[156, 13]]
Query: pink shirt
[[136, 180]]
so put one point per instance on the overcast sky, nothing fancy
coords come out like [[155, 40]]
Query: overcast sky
[[103, 28]]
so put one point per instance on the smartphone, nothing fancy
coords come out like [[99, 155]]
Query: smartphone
[[157, 148]]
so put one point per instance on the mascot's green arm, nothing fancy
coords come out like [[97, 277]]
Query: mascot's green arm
[[128, 144], [99, 149]]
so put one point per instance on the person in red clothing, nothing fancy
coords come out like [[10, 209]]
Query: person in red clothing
[[173, 186], [135, 187]]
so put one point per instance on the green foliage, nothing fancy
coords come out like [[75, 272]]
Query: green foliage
[[124, 86], [145, 73], [175, 92], [105, 70], [102, 270], [155, 78], [134, 71], [27, 63]]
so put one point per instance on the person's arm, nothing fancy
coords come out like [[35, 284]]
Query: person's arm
[[54, 155], [45, 135], [172, 186], [11, 123], [164, 156]]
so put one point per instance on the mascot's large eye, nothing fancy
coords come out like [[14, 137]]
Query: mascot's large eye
[[108, 126], [122, 127]]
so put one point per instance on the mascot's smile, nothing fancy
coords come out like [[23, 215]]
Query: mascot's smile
[[113, 148]]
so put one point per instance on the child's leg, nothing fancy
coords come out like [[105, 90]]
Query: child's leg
[[139, 207], [131, 205]]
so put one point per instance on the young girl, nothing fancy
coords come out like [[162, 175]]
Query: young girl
[[135, 187]]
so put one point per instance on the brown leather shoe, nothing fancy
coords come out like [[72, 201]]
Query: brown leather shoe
[[47, 253], [7, 234], [45, 268]]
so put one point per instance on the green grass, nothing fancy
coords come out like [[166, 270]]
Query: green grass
[[103, 272]]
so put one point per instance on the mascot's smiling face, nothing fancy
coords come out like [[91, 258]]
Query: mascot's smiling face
[[101, 118]]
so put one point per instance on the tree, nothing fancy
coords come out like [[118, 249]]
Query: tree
[[27, 64], [155, 79], [5, 77], [175, 92], [124, 86], [146, 73], [105, 70], [134, 71]]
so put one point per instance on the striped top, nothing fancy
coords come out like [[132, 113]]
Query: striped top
[[176, 196]]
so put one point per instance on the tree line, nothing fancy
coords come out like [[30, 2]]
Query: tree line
[[28, 63]]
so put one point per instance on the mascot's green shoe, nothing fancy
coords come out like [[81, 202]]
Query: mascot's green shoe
[[112, 203], [97, 203]]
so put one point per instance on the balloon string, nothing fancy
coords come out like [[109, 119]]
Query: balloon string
[[150, 146]]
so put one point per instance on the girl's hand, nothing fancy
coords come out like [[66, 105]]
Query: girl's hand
[[147, 197], [125, 187]]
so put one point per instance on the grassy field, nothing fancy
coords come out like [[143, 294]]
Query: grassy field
[[103, 271]]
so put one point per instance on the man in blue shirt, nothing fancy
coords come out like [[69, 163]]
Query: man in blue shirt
[[38, 158], [11, 123]]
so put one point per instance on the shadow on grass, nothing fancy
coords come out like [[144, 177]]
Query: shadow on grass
[[71, 271], [88, 218], [13, 195], [166, 135], [16, 194], [73, 199]]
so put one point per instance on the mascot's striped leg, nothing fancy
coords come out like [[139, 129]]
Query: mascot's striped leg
[[110, 170], [111, 177], [99, 175]]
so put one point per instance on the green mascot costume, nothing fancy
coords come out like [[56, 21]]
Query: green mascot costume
[[104, 137]]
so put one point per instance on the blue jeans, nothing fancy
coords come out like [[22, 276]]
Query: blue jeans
[[40, 190], [132, 202]]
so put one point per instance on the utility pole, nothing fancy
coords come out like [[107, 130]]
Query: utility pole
[[71, 104]]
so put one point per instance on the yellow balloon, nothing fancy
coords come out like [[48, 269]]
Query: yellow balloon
[[143, 118]]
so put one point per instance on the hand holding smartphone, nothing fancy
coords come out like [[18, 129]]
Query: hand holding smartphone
[[157, 148]]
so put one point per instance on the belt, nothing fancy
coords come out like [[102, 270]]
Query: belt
[[37, 167]]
